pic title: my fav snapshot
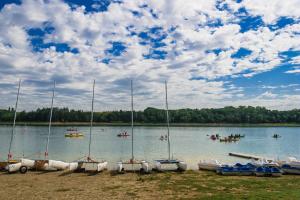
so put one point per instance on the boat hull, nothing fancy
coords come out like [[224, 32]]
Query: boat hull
[[289, 169], [59, 165], [93, 166], [14, 167]]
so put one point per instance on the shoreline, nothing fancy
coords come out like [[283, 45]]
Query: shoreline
[[152, 124]]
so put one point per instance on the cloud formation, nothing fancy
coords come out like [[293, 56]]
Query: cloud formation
[[200, 47]]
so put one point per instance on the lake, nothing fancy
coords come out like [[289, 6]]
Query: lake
[[187, 143]]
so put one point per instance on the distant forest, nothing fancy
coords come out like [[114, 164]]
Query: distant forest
[[229, 114]]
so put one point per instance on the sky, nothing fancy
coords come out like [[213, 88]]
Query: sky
[[212, 53]]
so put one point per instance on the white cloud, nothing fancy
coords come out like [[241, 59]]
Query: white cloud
[[91, 34]]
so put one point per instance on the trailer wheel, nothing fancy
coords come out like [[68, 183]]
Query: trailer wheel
[[23, 169]]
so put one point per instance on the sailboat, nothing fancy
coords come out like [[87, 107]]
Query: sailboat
[[89, 164], [181, 165], [144, 165], [46, 164], [13, 165]]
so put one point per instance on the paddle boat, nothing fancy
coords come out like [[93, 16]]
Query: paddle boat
[[73, 132], [268, 171], [213, 137], [237, 169], [211, 165], [123, 134], [292, 166]]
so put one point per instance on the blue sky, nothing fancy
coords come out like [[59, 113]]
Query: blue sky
[[213, 53]]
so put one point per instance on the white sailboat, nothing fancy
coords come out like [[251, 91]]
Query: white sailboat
[[143, 165], [14, 165], [46, 164], [158, 165], [89, 164]]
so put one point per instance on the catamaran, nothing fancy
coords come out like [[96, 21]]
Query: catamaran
[[46, 164], [181, 165], [144, 165], [89, 164], [12, 165]]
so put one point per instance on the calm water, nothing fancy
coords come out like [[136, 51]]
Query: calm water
[[187, 143]]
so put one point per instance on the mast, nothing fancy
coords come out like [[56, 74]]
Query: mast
[[132, 157], [91, 123], [14, 124], [50, 121], [168, 123]]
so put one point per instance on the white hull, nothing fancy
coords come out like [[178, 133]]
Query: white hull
[[145, 166], [73, 166], [94, 166], [157, 166], [27, 163], [211, 165], [119, 167], [14, 167], [182, 166], [60, 165]]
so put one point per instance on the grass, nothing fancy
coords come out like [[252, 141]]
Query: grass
[[191, 185], [208, 185]]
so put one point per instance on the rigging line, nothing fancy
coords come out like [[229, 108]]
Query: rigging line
[[91, 122], [168, 123], [14, 124], [132, 156], [50, 121]]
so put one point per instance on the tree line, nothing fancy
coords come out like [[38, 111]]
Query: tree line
[[241, 114]]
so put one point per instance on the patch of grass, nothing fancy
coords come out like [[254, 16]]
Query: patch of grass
[[207, 185]]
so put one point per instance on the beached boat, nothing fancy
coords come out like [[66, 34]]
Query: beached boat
[[132, 164], [292, 166], [237, 169], [268, 171], [88, 164], [46, 164], [12, 165], [169, 162], [211, 165]]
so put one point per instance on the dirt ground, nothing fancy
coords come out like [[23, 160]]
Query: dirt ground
[[171, 185]]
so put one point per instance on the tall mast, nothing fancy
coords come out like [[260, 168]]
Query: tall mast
[[132, 157], [14, 124], [168, 123], [91, 124], [50, 121]]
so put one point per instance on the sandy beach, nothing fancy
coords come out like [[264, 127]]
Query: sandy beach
[[170, 185]]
